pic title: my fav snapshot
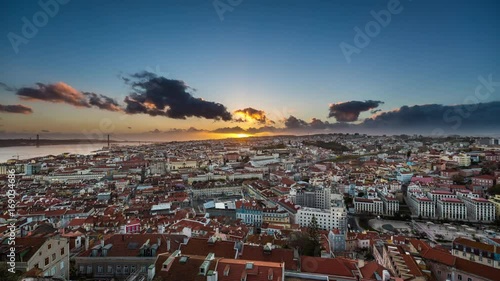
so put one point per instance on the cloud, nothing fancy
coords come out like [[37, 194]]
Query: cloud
[[63, 93], [160, 96], [293, 122], [7, 87], [21, 109], [45, 131], [252, 114], [349, 111], [449, 118], [375, 111], [102, 102], [230, 130]]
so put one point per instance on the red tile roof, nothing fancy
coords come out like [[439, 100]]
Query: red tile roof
[[201, 246], [257, 253]]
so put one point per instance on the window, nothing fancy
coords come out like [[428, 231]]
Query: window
[[61, 266], [110, 269], [469, 279], [49, 246], [82, 268], [62, 251], [125, 269], [99, 269], [459, 277], [53, 256], [448, 276], [118, 269], [89, 269], [47, 261]]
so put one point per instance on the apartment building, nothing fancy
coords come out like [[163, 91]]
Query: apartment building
[[327, 219], [313, 197], [477, 252], [368, 206], [421, 205], [451, 209], [483, 180], [391, 204], [122, 255], [250, 212], [50, 255], [479, 209], [435, 195], [496, 202]]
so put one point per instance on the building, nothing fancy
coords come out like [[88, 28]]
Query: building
[[420, 205], [479, 209], [496, 202], [451, 209], [483, 180], [250, 212], [49, 255], [327, 219], [337, 240], [435, 195], [313, 197], [391, 205], [122, 255], [368, 206], [463, 160], [477, 252]]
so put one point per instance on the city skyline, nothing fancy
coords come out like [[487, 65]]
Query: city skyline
[[210, 69]]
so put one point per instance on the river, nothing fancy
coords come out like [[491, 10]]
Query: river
[[26, 152]]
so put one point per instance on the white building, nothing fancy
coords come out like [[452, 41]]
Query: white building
[[451, 208], [479, 209], [435, 195], [327, 219], [421, 205], [391, 205], [463, 160], [371, 206]]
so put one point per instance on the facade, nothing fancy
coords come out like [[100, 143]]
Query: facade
[[477, 252], [421, 205], [50, 255], [250, 213], [214, 191], [337, 241], [479, 209], [327, 219], [435, 195], [451, 208], [463, 160], [314, 197], [496, 202], [369, 206], [122, 255], [391, 205], [484, 180]]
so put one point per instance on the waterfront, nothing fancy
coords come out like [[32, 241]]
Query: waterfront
[[26, 152]]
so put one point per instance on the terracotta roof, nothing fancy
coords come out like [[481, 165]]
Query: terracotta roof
[[257, 253], [232, 270], [201, 246], [336, 266]]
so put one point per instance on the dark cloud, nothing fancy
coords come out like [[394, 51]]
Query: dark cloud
[[15, 109], [160, 96], [102, 102], [375, 111], [252, 114], [448, 118], [63, 93], [45, 131], [349, 111], [293, 122], [155, 131]]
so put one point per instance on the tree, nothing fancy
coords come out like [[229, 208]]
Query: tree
[[5, 275], [458, 179], [494, 190]]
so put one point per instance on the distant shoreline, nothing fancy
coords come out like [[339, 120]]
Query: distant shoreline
[[45, 142]]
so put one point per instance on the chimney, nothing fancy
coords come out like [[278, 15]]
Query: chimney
[[159, 241], [102, 242], [86, 243], [168, 245], [361, 263]]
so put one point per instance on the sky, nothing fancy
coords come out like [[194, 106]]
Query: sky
[[204, 68]]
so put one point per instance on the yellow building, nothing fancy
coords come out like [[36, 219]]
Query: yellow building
[[496, 201]]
